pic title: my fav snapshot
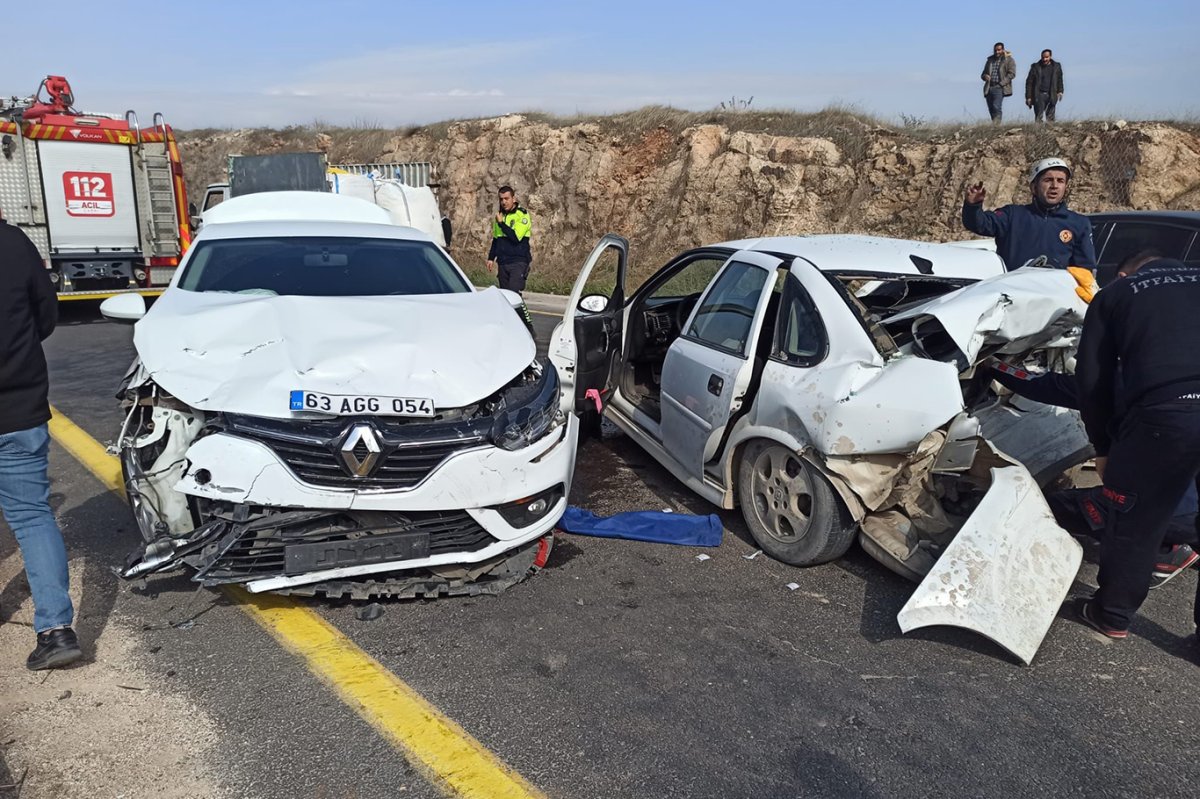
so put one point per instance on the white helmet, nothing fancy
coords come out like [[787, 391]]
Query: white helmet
[[1048, 163]]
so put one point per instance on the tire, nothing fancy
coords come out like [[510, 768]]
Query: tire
[[792, 511]]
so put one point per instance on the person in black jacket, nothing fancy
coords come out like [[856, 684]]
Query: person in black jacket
[[28, 313], [1139, 390], [1044, 86], [1082, 511]]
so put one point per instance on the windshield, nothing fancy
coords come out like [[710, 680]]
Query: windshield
[[325, 266]]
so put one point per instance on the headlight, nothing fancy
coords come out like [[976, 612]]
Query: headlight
[[519, 426]]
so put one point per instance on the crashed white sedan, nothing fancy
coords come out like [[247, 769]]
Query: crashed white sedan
[[322, 402], [827, 385]]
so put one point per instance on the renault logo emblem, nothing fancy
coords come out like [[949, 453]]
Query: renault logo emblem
[[360, 450]]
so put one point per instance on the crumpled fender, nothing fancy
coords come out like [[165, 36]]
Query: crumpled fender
[[1005, 574]]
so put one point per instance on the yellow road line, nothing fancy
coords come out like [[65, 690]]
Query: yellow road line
[[88, 451], [440, 749], [101, 295], [450, 757]]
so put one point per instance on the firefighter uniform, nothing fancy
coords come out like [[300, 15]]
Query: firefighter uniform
[[1146, 328], [1024, 232], [510, 249]]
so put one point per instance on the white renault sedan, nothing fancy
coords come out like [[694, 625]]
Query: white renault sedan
[[830, 387], [322, 402]]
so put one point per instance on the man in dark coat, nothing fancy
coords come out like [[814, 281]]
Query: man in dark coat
[[1139, 388], [1044, 86], [28, 313]]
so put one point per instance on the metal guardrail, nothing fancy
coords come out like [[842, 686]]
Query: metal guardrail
[[415, 173]]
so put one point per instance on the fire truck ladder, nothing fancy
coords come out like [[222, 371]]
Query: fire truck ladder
[[159, 185]]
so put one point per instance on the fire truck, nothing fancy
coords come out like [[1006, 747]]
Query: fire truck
[[101, 197]]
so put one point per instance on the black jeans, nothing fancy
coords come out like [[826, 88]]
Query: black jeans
[[512, 275], [1154, 457], [1043, 103]]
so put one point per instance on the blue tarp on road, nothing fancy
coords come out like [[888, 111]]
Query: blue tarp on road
[[647, 525]]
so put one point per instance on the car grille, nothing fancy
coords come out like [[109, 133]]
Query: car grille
[[258, 550], [409, 451]]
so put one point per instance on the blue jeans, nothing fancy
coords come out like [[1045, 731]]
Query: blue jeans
[[25, 501], [995, 102]]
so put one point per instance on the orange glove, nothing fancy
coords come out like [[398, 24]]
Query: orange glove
[[1088, 286]]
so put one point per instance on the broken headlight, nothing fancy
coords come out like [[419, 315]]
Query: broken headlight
[[518, 426]]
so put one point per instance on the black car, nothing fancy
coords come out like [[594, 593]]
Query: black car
[[1119, 234]]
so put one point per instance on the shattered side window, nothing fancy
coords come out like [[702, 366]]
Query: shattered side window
[[871, 325], [321, 267]]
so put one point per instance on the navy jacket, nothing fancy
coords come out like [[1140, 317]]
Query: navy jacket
[[1024, 232], [1144, 332], [28, 312]]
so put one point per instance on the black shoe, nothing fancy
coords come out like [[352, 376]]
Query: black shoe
[[1171, 563], [1088, 614], [55, 648]]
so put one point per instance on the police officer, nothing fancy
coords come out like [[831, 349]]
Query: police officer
[[1140, 339], [509, 254], [1043, 227]]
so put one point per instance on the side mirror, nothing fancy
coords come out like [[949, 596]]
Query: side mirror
[[447, 229], [193, 210], [126, 308], [593, 303]]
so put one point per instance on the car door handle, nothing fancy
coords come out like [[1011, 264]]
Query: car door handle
[[715, 384]]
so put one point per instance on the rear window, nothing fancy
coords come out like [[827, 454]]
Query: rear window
[[321, 267]]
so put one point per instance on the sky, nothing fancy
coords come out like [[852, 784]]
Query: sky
[[218, 63]]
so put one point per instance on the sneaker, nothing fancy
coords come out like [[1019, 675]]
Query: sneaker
[[1088, 614], [55, 648], [1172, 563]]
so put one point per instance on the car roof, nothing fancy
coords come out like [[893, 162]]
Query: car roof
[[878, 255], [1190, 218], [296, 228], [310, 206]]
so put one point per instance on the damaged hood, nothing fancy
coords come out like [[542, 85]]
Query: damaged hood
[[245, 354], [1010, 313]]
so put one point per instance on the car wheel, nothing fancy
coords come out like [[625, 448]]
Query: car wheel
[[791, 509]]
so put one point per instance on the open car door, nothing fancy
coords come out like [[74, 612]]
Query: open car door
[[587, 342], [708, 369]]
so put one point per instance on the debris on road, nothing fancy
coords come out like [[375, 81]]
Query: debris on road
[[793, 586], [369, 612], [753, 555], [703, 557]]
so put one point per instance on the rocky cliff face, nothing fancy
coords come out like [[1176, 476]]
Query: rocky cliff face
[[668, 189]]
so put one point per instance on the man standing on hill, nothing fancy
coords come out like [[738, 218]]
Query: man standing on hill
[[509, 255], [1044, 86], [999, 71], [28, 313], [1043, 227]]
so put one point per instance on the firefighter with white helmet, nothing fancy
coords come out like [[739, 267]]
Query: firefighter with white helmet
[[1043, 227]]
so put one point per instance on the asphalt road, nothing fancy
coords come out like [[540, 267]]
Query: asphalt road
[[631, 669]]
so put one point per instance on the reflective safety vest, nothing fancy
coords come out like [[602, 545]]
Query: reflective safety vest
[[510, 238]]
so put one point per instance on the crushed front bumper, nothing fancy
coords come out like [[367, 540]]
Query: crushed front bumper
[[265, 528]]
